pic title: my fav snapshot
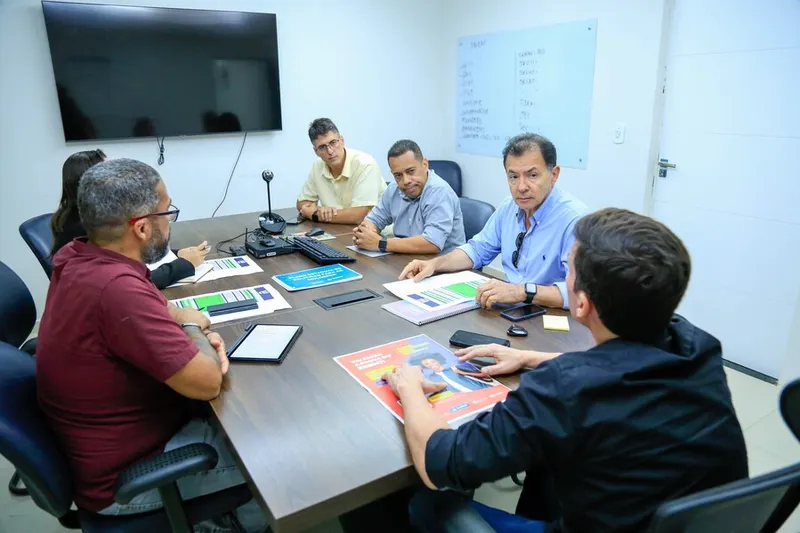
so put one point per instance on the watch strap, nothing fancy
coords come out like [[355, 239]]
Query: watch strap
[[191, 325], [315, 217], [529, 296], [382, 244]]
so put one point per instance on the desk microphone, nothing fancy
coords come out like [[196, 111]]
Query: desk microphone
[[273, 224]]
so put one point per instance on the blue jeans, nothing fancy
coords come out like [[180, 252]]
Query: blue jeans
[[429, 512], [225, 475]]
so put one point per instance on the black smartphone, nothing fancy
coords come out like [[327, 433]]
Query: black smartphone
[[465, 339], [523, 312]]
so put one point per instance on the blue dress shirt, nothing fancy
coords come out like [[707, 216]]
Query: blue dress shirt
[[435, 214], [545, 249]]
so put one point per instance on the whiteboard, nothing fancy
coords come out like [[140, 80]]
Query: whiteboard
[[537, 80]]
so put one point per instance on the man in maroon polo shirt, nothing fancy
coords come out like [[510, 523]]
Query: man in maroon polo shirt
[[121, 373]]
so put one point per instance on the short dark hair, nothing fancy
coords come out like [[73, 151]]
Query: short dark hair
[[525, 142], [417, 358], [405, 145], [320, 127], [633, 269]]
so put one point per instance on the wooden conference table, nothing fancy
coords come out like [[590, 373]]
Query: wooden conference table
[[312, 442]]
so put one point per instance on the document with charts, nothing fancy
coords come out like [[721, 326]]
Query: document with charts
[[225, 267], [439, 292], [269, 300], [468, 392]]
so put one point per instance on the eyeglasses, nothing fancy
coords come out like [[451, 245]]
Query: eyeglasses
[[331, 146], [515, 255], [172, 215]]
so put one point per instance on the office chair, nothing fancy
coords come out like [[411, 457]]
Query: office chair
[[17, 318], [449, 171], [476, 214], [38, 236], [790, 406], [760, 504], [28, 443]]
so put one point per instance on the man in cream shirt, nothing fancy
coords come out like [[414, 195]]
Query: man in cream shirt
[[344, 184]]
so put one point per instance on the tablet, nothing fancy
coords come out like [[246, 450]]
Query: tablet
[[265, 343]]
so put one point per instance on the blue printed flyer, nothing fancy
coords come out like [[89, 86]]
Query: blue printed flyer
[[316, 277]]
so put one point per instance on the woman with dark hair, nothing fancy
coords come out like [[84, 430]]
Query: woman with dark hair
[[66, 223]]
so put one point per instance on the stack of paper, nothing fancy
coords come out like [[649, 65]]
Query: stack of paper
[[269, 300], [439, 292]]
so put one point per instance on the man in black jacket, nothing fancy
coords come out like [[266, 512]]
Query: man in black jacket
[[608, 434]]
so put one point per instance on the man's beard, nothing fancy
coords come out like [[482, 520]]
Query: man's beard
[[156, 248]]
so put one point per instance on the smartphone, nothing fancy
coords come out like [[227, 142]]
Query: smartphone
[[523, 312], [296, 220], [465, 339]]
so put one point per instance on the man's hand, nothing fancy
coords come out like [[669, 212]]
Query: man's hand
[[219, 345], [187, 314], [366, 237], [508, 360], [326, 214], [499, 292], [418, 270], [407, 378], [195, 254], [308, 209]]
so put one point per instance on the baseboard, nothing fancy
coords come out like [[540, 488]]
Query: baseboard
[[750, 372]]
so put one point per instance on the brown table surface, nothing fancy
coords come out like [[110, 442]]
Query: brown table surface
[[312, 442]]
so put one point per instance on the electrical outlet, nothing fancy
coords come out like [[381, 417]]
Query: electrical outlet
[[619, 133]]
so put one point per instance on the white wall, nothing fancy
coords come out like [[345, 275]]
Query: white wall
[[625, 90], [372, 66]]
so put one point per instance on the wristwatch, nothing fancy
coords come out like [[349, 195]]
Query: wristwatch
[[530, 292], [191, 325], [382, 244], [315, 217]]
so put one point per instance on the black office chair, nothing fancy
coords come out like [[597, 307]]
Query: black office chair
[[449, 171], [38, 235], [790, 406], [17, 318], [760, 504], [28, 443], [476, 214]]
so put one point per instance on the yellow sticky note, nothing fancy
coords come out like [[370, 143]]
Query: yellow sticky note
[[556, 323]]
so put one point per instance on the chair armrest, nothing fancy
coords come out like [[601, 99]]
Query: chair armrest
[[464, 518], [165, 469]]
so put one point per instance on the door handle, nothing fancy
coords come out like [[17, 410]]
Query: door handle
[[664, 164]]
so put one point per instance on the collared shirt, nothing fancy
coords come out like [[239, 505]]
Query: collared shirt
[[106, 346], [617, 430], [545, 248], [359, 185], [435, 214]]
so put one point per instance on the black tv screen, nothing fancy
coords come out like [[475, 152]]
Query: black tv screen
[[124, 71]]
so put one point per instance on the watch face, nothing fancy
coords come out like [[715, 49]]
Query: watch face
[[530, 288]]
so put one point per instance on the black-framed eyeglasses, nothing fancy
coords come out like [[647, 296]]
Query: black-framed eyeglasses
[[515, 255], [172, 215]]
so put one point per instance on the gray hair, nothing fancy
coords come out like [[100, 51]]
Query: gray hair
[[113, 192]]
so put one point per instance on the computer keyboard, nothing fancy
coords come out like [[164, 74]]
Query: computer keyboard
[[320, 252]]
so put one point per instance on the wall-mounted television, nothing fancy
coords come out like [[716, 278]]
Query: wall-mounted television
[[125, 71]]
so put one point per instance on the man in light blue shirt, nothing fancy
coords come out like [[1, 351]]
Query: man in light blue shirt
[[424, 209], [532, 231]]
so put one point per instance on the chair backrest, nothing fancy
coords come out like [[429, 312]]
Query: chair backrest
[[25, 438], [790, 406], [449, 171], [743, 506], [476, 214], [17, 308], [38, 235]]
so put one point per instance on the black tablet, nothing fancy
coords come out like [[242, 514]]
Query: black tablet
[[264, 343]]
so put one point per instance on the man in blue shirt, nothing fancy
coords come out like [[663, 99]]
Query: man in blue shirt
[[423, 207], [532, 231], [605, 435]]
